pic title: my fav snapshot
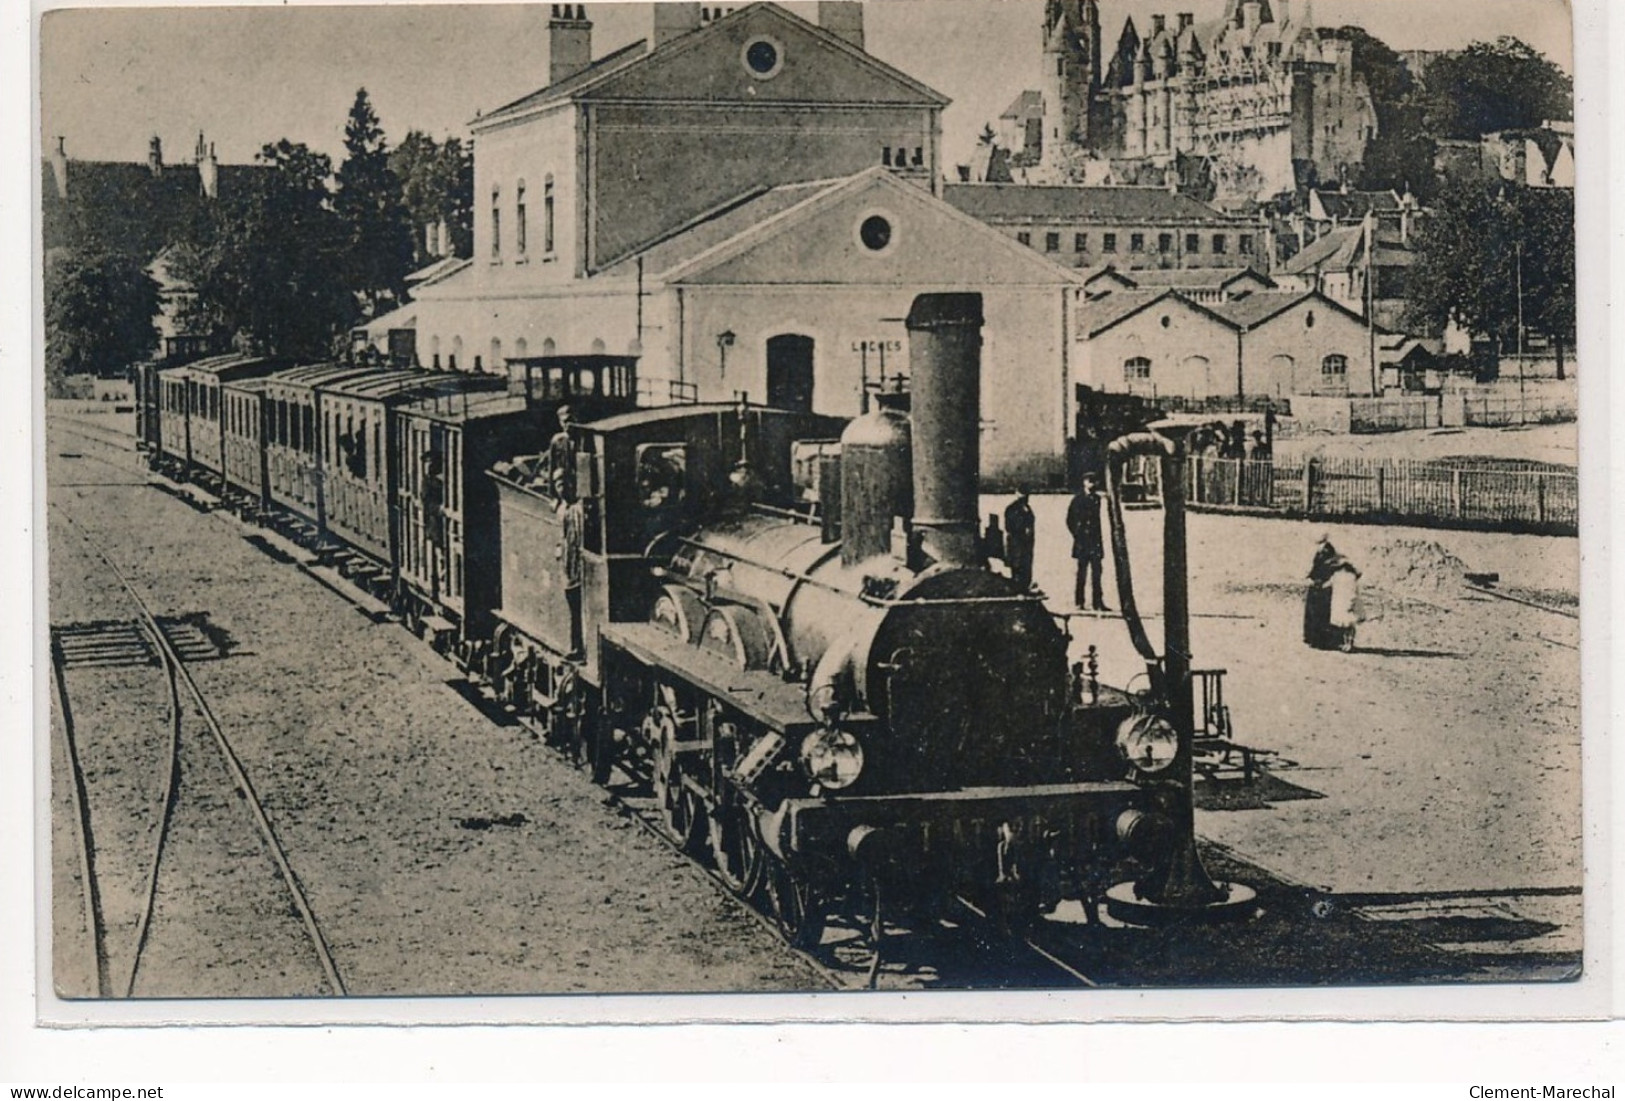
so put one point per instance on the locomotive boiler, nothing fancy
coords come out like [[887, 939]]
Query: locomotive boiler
[[837, 722]]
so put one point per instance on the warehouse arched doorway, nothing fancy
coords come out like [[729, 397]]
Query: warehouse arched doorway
[[790, 372]]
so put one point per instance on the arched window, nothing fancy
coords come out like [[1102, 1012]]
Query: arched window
[[549, 347], [521, 348], [496, 223], [1334, 366], [547, 214], [1136, 369], [519, 220]]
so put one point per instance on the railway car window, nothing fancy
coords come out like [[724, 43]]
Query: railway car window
[[307, 420]]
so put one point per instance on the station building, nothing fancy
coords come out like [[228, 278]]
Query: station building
[[745, 204]]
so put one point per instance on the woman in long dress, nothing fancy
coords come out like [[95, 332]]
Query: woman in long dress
[[1331, 606]]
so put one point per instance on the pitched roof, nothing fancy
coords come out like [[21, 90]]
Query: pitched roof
[[1196, 278], [1336, 251], [1029, 104], [1357, 204], [716, 226], [1246, 312], [634, 57], [564, 89], [1104, 312], [991, 202]]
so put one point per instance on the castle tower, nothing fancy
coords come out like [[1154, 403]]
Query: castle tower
[[1071, 77]]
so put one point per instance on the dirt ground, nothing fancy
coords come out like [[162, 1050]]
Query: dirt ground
[[1434, 771], [386, 788]]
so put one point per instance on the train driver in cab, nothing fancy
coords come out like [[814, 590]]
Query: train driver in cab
[[572, 521], [561, 455]]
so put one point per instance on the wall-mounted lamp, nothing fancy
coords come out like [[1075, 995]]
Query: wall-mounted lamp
[[725, 340]]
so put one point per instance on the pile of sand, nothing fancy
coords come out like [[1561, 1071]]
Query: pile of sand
[[1418, 567]]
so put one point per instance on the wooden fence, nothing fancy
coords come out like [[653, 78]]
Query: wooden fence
[[1497, 410], [1517, 498]]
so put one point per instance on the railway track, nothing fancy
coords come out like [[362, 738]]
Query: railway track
[[846, 961], [171, 898], [962, 949]]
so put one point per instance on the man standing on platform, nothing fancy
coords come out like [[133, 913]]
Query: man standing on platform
[[1088, 544], [1020, 535]]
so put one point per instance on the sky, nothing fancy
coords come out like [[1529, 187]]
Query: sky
[[111, 78]]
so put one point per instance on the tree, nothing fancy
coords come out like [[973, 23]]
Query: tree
[[1489, 256], [378, 248], [437, 186], [1505, 85], [267, 270], [1400, 155], [99, 310]]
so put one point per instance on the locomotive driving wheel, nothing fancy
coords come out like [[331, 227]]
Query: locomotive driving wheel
[[732, 852], [794, 904], [680, 808]]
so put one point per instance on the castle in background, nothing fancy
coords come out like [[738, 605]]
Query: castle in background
[[1270, 103]]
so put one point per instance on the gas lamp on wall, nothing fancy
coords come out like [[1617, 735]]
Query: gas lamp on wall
[[725, 340]]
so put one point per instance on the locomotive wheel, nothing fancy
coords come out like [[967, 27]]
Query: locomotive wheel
[[599, 744], [680, 809], [794, 903], [728, 836]]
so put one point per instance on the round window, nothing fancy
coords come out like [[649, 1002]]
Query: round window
[[875, 233], [1309, 320], [763, 58], [1166, 321]]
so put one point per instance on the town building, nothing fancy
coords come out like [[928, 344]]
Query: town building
[[134, 208], [1264, 344], [1358, 250], [1131, 228], [1271, 102], [763, 235]]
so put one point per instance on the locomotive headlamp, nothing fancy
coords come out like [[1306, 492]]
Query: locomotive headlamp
[[1148, 743], [832, 758]]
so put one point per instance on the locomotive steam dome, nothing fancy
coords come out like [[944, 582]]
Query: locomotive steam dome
[[876, 479], [951, 658]]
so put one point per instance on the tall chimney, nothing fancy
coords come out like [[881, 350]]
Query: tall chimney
[[673, 20], [945, 368], [1159, 23], [842, 18], [155, 155], [1252, 14], [1186, 20], [569, 42]]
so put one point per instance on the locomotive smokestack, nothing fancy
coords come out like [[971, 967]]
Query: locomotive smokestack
[[945, 367]]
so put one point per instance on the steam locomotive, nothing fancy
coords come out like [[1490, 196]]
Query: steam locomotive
[[783, 624]]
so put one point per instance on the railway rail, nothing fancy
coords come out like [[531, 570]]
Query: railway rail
[[178, 676], [848, 964]]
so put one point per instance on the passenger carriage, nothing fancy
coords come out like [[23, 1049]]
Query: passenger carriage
[[292, 459], [190, 414]]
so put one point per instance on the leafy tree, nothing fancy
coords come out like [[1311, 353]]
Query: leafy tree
[[99, 310], [1488, 254], [1400, 156], [378, 250], [437, 185], [1504, 85], [267, 270]]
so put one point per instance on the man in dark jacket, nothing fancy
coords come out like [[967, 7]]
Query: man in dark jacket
[[1019, 537], [1088, 544]]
